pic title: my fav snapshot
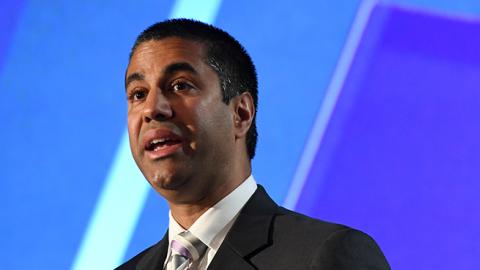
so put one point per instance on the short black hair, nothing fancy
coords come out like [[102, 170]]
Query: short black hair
[[224, 54]]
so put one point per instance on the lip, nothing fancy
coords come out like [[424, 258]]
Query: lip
[[174, 143]]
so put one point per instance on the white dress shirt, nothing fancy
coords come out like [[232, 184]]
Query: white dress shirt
[[213, 225]]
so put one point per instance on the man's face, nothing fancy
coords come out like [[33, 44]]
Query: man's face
[[181, 133]]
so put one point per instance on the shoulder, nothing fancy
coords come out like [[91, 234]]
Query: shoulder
[[349, 249], [326, 245], [299, 225]]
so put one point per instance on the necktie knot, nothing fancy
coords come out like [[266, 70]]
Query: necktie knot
[[186, 248]]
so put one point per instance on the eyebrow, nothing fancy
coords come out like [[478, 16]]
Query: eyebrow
[[134, 77], [169, 70]]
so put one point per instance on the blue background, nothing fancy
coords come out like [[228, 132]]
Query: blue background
[[368, 116]]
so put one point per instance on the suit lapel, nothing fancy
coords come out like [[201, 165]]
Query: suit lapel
[[155, 256], [249, 235]]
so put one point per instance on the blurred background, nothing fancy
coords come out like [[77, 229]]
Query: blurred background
[[368, 116]]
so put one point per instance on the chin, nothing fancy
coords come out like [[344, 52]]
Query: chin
[[165, 181]]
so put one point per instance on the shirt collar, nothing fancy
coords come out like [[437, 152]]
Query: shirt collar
[[214, 220]]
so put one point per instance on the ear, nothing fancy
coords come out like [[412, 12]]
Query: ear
[[244, 112]]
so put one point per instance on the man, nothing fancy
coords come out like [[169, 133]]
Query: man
[[192, 98]]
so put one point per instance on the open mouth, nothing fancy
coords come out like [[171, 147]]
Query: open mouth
[[161, 143]]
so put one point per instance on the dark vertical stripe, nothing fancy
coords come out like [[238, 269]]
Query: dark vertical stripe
[[10, 11]]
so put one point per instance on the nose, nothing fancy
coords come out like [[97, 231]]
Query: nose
[[157, 107]]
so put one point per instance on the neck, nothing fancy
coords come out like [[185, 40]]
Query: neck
[[185, 214], [200, 199]]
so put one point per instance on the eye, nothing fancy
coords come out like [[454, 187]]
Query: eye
[[137, 94], [181, 86]]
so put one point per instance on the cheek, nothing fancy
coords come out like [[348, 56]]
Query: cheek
[[216, 122], [208, 120], [134, 124], [191, 113]]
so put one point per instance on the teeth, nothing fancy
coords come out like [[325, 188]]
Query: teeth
[[158, 141]]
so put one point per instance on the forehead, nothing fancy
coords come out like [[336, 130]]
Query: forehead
[[156, 54]]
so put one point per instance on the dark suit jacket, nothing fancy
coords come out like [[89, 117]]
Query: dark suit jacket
[[266, 236]]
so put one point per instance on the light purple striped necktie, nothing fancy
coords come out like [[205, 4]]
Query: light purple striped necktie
[[186, 248]]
